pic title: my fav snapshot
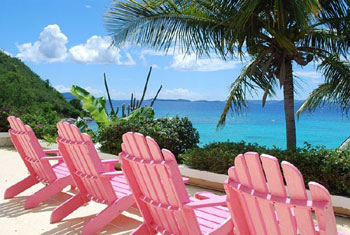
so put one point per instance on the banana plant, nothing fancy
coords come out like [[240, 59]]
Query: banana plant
[[142, 112], [95, 106]]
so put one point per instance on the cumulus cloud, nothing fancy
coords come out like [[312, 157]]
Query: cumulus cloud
[[192, 63], [50, 48], [87, 6], [98, 50], [179, 93]]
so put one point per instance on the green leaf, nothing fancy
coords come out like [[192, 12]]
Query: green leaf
[[146, 113], [96, 107]]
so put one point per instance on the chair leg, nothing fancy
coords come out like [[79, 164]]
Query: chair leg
[[142, 230], [19, 187], [47, 192], [67, 208], [107, 215]]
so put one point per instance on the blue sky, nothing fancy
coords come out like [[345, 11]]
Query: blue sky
[[67, 43]]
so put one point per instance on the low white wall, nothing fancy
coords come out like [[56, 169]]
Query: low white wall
[[215, 181], [211, 180], [5, 139]]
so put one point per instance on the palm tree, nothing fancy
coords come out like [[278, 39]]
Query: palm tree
[[277, 35]]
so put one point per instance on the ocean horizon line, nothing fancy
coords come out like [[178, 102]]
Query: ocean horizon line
[[69, 96]]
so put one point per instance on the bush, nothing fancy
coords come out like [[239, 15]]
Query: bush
[[43, 124], [176, 134], [327, 167], [4, 124]]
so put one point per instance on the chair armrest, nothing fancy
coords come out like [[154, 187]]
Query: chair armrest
[[205, 195], [185, 180], [111, 174], [52, 151], [51, 158], [217, 201], [108, 165], [110, 161]]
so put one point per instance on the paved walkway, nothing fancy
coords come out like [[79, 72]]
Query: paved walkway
[[15, 220]]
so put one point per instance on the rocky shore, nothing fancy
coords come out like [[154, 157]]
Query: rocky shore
[[72, 120]]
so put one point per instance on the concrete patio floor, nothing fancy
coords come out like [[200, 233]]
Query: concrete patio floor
[[15, 220]]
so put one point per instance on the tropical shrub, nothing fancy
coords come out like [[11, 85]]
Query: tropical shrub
[[43, 123], [4, 113], [176, 134], [328, 167]]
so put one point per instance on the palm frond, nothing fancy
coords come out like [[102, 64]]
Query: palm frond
[[253, 77], [336, 88], [315, 99], [325, 39], [236, 100], [162, 24]]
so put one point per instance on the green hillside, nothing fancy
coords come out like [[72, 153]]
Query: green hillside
[[23, 93]]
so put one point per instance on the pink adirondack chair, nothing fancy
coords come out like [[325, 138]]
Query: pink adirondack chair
[[261, 203], [161, 196], [56, 177], [95, 179]]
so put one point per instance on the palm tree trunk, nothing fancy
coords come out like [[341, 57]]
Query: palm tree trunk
[[288, 90]]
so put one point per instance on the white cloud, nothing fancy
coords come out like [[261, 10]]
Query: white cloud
[[98, 50], [316, 77], [87, 6], [308, 74], [50, 48], [6, 52], [192, 63], [62, 88], [149, 52], [179, 93], [93, 91], [119, 95]]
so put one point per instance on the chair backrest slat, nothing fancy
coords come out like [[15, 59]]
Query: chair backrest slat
[[30, 150], [151, 175], [267, 212], [84, 163], [157, 185], [296, 190], [326, 219], [250, 204], [255, 189], [277, 188]]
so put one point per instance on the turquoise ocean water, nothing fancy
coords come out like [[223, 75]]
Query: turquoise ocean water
[[327, 126]]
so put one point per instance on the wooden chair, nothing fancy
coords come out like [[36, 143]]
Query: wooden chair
[[161, 196], [96, 180], [260, 202], [56, 177]]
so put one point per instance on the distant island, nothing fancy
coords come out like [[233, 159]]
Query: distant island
[[69, 96]]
